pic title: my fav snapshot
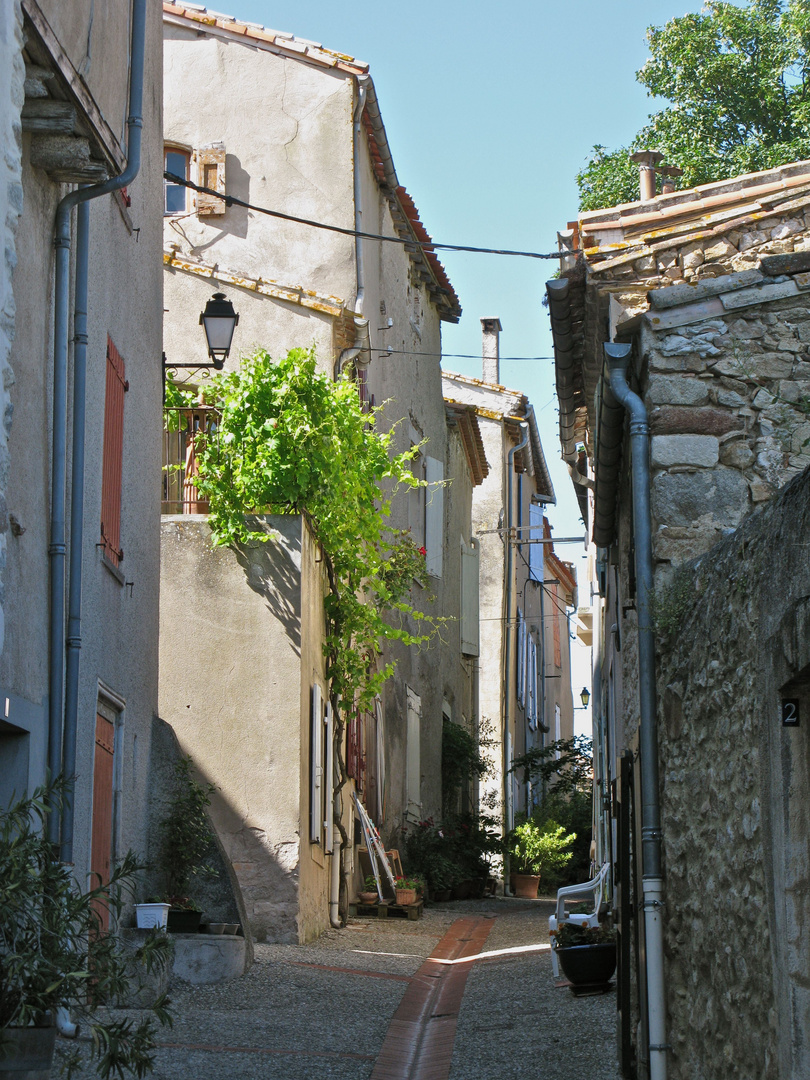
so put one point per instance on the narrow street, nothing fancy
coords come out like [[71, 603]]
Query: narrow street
[[384, 1000]]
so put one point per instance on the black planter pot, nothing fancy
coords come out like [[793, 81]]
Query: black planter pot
[[183, 922], [28, 1053], [588, 965]]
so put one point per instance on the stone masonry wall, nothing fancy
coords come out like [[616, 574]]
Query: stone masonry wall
[[729, 405], [12, 80], [721, 807]]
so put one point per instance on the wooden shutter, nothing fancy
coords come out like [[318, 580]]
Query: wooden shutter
[[521, 651], [536, 570], [211, 174], [329, 759], [558, 614], [101, 843], [413, 755], [316, 767], [434, 516], [113, 455], [470, 601]]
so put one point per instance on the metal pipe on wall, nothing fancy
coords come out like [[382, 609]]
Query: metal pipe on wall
[[62, 705], [618, 357]]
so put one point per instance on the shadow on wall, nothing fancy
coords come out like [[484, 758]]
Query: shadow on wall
[[251, 887], [275, 574]]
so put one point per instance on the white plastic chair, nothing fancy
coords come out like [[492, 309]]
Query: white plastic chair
[[597, 888]]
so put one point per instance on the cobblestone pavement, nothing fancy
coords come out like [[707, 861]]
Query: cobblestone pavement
[[355, 1005]]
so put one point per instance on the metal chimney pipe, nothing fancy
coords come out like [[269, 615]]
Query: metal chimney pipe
[[647, 161], [490, 367]]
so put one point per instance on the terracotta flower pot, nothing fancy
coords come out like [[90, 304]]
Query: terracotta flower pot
[[406, 896], [368, 897], [526, 886]]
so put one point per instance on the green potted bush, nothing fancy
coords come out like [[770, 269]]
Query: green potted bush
[[587, 954], [56, 952], [185, 839], [533, 848], [368, 894]]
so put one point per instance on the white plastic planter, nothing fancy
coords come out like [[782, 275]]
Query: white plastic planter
[[149, 916]]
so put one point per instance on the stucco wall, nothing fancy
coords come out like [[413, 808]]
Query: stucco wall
[[289, 149], [12, 77], [734, 799], [240, 642]]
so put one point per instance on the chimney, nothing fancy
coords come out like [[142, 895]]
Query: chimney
[[491, 328]]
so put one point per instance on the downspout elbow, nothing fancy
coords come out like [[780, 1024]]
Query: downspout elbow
[[618, 358]]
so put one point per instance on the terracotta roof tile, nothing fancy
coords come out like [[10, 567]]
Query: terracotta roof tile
[[312, 50]]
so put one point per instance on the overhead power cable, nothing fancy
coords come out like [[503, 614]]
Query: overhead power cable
[[425, 245], [452, 355]]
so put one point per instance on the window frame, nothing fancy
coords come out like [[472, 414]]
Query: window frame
[[167, 184]]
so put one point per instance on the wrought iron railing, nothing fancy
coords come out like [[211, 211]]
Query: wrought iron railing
[[183, 430]]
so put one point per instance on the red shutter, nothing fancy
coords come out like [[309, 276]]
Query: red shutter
[[113, 455], [101, 845]]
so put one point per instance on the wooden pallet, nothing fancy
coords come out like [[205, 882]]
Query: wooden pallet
[[388, 909]]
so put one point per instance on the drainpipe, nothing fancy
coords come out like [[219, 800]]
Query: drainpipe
[[618, 357], [510, 636], [57, 548], [362, 92]]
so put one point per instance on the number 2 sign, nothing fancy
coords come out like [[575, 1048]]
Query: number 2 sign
[[790, 712]]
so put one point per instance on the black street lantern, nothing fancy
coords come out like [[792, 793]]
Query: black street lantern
[[585, 697], [219, 321]]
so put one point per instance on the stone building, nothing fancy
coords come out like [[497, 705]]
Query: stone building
[[79, 453], [524, 664], [697, 302], [310, 144]]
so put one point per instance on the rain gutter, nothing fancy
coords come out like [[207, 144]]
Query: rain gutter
[[559, 302], [618, 357]]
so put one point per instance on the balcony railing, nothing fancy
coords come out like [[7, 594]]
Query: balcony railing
[[186, 428]]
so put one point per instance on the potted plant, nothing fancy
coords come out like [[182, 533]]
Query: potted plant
[[151, 914], [368, 893], [406, 890], [587, 954], [56, 952], [185, 838], [533, 847]]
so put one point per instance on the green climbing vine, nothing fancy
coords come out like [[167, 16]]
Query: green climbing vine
[[289, 440]]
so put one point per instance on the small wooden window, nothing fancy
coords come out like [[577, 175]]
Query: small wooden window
[[113, 455], [211, 174], [175, 198]]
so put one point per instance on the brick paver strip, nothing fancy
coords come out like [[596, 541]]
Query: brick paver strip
[[420, 1037]]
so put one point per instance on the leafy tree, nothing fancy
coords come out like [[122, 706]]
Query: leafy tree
[[738, 83]]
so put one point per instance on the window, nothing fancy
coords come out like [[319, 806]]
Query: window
[[211, 175], [469, 599], [416, 501], [175, 200], [113, 456], [536, 571], [434, 516]]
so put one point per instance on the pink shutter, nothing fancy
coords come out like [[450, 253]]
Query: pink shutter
[[113, 455]]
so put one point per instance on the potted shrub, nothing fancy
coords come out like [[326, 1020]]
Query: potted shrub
[[55, 952], [587, 954], [406, 890], [368, 893], [185, 838], [534, 847]]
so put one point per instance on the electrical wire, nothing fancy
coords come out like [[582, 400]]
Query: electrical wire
[[451, 355], [425, 245]]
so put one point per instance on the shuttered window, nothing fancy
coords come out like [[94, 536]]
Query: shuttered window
[[434, 516], [101, 842], [316, 786], [113, 455], [531, 680], [536, 550], [469, 599], [211, 175]]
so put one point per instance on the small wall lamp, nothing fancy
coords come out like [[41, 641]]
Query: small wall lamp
[[219, 321]]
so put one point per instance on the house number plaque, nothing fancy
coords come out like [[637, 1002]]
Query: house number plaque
[[790, 712]]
